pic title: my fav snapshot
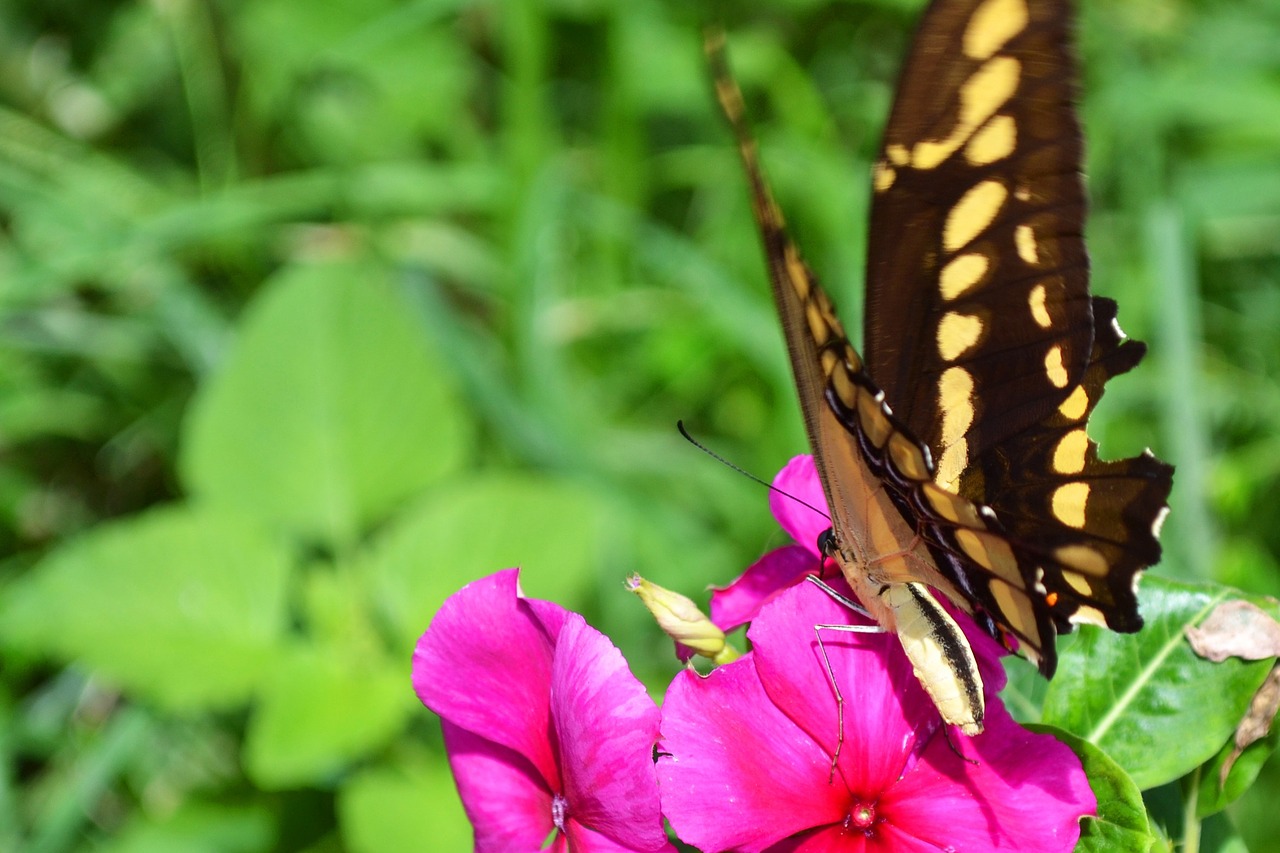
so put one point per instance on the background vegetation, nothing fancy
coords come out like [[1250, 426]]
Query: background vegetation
[[312, 312]]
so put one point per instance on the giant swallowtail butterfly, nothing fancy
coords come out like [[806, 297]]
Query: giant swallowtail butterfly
[[954, 455]]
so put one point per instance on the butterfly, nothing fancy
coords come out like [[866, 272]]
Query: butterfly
[[953, 452]]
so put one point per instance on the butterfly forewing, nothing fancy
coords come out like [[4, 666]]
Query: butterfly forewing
[[978, 315], [868, 464]]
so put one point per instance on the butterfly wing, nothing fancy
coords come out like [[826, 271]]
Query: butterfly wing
[[868, 465], [981, 330]]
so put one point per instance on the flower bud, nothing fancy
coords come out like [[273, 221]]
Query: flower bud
[[682, 621]]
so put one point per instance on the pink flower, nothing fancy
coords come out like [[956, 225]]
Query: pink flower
[[546, 728], [746, 754], [739, 602]]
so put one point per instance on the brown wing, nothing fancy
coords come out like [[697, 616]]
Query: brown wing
[[978, 319]]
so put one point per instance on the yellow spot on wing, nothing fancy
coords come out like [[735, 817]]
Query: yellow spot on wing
[[952, 463], [951, 506], [883, 176], [844, 388], [1054, 368], [981, 97], [990, 552], [1025, 239], [897, 154], [1078, 582], [955, 400], [1082, 557], [995, 141], [957, 333], [906, 457], [1069, 503], [962, 273], [993, 24], [1077, 403], [1015, 609], [1089, 616], [1068, 456], [818, 328], [796, 272], [874, 424], [975, 210], [1039, 311]]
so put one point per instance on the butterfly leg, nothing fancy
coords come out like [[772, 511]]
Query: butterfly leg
[[840, 597], [831, 674]]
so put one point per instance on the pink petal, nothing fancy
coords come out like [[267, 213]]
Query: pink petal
[[607, 726], [583, 840], [827, 839], [884, 705], [550, 615], [503, 795], [1024, 792], [799, 479], [733, 771], [739, 602], [484, 664]]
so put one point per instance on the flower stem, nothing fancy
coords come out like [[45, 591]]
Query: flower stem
[[1190, 823]]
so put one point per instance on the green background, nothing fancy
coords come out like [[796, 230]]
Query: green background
[[312, 312]]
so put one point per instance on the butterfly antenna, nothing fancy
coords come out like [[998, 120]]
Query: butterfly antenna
[[744, 472]]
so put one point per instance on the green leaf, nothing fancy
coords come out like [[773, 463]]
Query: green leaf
[[403, 809], [1133, 695], [1213, 796], [321, 711], [185, 607], [1121, 824], [551, 528], [1023, 694], [329, 411]]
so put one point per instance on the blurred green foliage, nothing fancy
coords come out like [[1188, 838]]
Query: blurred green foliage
[[310, 313]]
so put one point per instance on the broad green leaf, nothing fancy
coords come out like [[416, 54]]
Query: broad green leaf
[[1121, 824], [329, 411], [408, 808], [185, 607], [551, 528], [1135, 696], [1213, 796], [321, 711], [1023, 694]]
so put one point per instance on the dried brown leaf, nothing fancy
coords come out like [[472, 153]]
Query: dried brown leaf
[[1236, 629]]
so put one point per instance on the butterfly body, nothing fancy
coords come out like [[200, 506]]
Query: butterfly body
[[955, 456]]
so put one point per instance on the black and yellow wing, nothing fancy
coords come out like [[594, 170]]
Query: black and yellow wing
[[980, 327], [985, 352]]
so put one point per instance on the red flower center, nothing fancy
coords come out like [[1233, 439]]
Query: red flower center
[[862, 816]]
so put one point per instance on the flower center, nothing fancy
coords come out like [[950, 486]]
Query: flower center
[[559, 811], [862, 816]]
